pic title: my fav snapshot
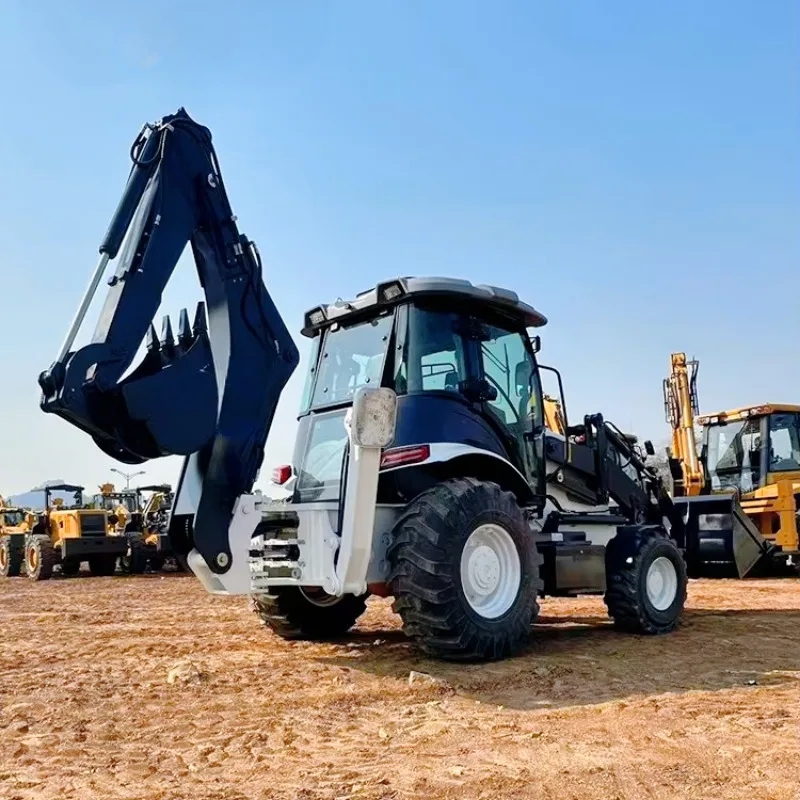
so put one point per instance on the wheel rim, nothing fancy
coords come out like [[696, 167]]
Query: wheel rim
[[319, 597], [33, 559], [491, 572], [3, 557], [662, 583]]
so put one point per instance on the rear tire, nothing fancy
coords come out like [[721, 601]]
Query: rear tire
[[40, 558], [295, 613], [646, 581], [102, 566], [12, 556], [465, 572], [134, 562]]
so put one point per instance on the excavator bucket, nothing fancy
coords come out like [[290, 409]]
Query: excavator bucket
[[206, 389], [720, 537]]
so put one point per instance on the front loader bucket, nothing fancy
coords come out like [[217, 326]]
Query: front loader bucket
[[720, 537]]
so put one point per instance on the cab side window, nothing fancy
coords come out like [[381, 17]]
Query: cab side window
[[508, 368], [784, 442]]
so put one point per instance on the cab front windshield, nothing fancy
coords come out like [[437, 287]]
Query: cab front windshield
[[12, 518], [734, 455]]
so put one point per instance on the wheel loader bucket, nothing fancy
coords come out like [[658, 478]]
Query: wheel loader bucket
[[719, 535]]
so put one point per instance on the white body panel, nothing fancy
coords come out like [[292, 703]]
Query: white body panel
[[343, 564]]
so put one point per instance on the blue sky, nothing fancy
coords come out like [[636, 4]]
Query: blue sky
[[629, 168]]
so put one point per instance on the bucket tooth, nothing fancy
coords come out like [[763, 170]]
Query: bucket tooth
[[151, 341], [184, 329], [200, 323], [167, 338]]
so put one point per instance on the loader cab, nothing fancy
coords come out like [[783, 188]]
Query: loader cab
[[745, 449], [463, 364]]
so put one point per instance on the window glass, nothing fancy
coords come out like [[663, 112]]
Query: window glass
[[305, 400], [12, 518], [508, 368], [434, 353], [352, 357], [784, 443], [733, 458], [320, 465]]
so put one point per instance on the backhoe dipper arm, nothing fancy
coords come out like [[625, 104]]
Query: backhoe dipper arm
[[681, 407], [209, 393]]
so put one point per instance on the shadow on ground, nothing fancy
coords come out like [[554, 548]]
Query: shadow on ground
[[584, 660]]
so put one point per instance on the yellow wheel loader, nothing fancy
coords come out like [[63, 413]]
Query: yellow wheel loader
[[15, 523], [736, 474], [65, 536]]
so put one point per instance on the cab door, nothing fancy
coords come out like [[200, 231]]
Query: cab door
[[509, 368]]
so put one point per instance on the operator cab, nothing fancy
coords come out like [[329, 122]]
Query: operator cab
[[458, 356], [462, 361], [747, 448], [112, 501]]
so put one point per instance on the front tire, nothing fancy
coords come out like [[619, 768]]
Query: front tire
[[134, 562], [40, 558], [295, 613], [465, 572], [12, 556], [646, 581]]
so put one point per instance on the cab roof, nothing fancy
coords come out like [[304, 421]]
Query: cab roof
[[746, 412], [390, 293]]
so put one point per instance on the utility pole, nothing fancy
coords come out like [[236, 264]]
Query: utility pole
[[127, 475]]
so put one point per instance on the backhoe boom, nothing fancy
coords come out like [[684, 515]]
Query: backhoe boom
[[208, 393]]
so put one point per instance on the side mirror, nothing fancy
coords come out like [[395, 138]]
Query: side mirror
[[648, 448], [373, 417]]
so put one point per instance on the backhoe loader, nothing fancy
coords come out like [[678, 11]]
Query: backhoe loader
[[155, 523], [738, 482], [66, 536], [125, 519], [423, 467], [15, 522], [146, 529]]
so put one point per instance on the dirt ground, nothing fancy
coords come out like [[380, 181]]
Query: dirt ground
[[88, 711]]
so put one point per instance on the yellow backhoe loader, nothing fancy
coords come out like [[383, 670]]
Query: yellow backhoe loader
[[143, 524], [736, 472]]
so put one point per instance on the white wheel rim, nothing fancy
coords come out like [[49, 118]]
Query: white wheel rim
[[662, 583], [491, 572]]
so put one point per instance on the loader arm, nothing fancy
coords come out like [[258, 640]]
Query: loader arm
[[680, 407], [208, 393]]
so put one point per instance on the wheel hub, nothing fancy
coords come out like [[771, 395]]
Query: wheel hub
[[491, 571], [484, 570], [33, 558], [661, 583], [3, 558]]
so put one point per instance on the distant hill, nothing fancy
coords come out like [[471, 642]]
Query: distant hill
[[35, 497]]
